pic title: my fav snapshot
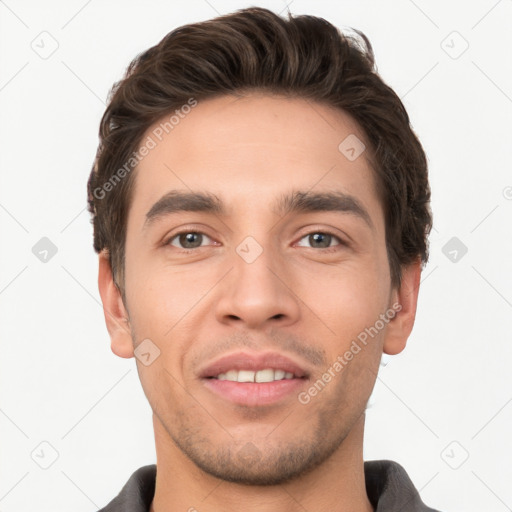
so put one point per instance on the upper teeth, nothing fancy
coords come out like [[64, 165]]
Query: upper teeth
[[266, 375]]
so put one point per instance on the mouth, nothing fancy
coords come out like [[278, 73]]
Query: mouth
[[255, 394], [255, 367], [254, 379], [260, 376]]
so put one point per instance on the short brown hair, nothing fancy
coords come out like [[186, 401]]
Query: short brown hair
[[254, 49]]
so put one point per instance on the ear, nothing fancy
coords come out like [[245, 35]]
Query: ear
[[116, 316], [399, 328]]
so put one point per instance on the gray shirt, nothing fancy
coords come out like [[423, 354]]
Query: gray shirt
[[388, 487]]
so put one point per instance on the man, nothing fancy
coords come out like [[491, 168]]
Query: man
[[261, 212]]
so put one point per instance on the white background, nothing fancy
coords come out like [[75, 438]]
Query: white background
[[448, 396]]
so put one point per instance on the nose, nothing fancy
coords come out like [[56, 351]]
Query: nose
[[257, 293]]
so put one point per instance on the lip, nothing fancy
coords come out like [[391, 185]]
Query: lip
[[255, 393], [254, 362]]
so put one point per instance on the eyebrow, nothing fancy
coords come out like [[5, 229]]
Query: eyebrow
[[303, 202], [177, 201]]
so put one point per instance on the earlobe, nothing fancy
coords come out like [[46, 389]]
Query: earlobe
[[400, 327], [116, 316]]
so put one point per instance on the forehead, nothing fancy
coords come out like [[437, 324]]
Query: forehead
[[250, 150]]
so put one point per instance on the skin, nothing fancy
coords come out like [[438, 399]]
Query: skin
[[298, 297]]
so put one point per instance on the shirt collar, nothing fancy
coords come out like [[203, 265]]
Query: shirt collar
[[388, 487]]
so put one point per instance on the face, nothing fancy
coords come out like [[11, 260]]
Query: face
[[256, 269]]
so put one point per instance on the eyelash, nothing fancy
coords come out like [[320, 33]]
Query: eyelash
[[188, 231]]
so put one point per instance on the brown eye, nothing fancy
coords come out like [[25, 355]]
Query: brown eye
[[321, 240], [188, 240]]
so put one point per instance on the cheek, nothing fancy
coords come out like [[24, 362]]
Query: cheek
[[160, 295], [165, 304], [346, 299]]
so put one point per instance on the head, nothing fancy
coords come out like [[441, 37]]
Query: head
[[227, 153]]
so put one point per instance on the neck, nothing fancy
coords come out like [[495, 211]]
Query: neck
[[336, 485]]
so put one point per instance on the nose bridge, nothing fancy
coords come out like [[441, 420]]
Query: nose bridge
[[253, 278], [256, 292]]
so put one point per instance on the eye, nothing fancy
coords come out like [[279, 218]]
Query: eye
[[188, 240], [321, 240]]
